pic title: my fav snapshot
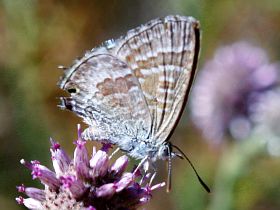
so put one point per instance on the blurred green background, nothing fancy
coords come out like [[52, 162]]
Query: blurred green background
[[37, 36]]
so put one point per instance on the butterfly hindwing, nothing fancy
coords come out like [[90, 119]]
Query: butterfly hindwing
[[105, 92]]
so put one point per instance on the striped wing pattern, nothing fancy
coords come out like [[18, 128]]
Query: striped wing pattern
[[163, 55], [132, 91]]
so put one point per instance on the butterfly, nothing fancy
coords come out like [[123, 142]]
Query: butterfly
[[131, 91]]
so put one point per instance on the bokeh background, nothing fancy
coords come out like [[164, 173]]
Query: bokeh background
[[239, 160]]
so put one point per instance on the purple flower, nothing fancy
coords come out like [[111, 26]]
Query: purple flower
[[267, 120], [85, 182], [228, 88]]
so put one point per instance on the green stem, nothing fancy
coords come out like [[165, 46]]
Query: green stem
[[234, 162]]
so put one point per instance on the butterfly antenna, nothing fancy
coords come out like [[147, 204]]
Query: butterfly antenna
[[168, 186], [198, 177]]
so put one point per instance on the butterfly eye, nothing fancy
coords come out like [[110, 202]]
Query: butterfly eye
[[72, 90]]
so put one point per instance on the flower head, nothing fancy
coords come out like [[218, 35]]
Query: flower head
[[227, 89], [85, 182], [267, 120]]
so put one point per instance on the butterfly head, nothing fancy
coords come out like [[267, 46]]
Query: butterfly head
[[165, 151]]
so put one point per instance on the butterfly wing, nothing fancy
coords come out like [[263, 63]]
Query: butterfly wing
[[107, 95], [163, 56]]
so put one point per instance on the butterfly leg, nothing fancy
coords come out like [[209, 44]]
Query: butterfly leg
[[152, 178], [144, 178], [142, 162], [113, 153], [146, 175], [146, 164], [154, 174]]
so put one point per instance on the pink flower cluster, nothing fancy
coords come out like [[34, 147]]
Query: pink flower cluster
[[85, 182]]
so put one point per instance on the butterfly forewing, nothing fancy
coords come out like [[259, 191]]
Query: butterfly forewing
[[163, 55]]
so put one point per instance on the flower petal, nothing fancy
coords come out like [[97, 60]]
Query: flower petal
[[124, 182], [106, 190], [81, 160], [99, 164], [119, 165], [30, 203], [35, 193], [60, 159]]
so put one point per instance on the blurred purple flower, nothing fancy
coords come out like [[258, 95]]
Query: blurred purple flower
[[267, 120], [228, 88], [85, 182]]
